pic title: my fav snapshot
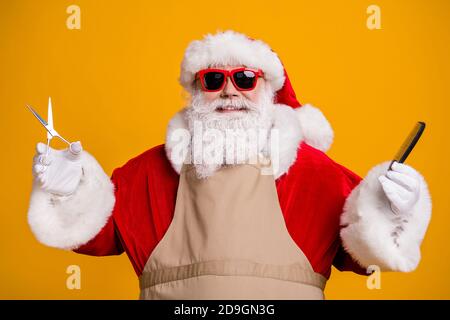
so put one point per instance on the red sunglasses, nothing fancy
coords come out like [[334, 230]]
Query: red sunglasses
[[214, 79]]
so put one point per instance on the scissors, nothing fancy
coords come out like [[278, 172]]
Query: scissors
[[51, 132]]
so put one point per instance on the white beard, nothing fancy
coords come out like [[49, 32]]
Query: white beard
[[234, 137]]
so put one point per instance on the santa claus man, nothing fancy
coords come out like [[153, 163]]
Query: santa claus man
[[200, 219]]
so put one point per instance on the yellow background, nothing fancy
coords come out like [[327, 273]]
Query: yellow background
[[114, 87]]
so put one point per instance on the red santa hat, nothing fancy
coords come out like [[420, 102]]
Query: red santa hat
[[232, 48]]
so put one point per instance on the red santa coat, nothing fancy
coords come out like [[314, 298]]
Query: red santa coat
[[312, 188], [311, 194]]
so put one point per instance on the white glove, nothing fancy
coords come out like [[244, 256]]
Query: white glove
[[60, 172], [402, 187]]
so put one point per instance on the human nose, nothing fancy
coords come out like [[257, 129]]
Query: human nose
[[229, 90]]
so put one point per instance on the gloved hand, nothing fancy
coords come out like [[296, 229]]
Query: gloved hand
[[60, 172], [402, 187]]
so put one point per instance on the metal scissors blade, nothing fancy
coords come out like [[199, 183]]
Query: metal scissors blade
[[41, 120], [51, 132], [50, 119]]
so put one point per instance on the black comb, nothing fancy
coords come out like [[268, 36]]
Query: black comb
[[409, 144]]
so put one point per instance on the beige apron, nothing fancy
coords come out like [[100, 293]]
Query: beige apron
[[228, 240]]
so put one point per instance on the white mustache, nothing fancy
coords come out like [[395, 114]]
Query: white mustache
[[234, 103], [239, 103]]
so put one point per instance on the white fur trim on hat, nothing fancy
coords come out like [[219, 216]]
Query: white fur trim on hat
[[67, 222], [230, 48], [315, 127], [374, 235]]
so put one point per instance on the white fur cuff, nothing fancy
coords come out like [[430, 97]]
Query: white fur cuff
[[71, 221], [374, 235]]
